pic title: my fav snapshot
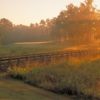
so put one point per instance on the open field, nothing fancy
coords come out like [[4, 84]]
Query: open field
[[26, 48], [79, 77]]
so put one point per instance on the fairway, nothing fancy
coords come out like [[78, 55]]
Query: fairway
[[15, 90], [24, 48]]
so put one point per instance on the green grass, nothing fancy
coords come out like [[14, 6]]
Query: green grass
[[20, 49], [15, 90], [67, 78]]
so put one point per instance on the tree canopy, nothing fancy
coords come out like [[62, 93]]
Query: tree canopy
[[78, 24], [74, 24]]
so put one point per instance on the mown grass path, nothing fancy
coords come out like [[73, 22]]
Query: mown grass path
[[16, 90]]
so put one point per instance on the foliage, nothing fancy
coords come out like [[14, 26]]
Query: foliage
[[5, 29], [10, 33], [81, 80], [74, 22], [77, 24]]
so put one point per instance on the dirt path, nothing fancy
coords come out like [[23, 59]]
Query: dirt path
[[15, 90]]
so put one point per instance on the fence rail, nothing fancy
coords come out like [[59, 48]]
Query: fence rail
[[6, 62]]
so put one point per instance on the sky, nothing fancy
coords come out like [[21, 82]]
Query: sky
[[32, 11]]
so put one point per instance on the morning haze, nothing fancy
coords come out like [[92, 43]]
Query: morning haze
[[49, 50]]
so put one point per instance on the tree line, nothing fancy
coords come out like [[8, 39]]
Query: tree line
[[74, 24], [78, 24], [10, 33]]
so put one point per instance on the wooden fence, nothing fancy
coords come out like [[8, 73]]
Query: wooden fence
[[6, 62]]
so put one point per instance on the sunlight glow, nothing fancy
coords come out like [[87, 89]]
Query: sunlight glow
[[31, 11]]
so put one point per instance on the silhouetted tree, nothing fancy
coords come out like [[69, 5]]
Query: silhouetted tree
[[77, 23], [5, 29]]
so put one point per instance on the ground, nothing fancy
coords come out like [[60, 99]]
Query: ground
[[16, 90]]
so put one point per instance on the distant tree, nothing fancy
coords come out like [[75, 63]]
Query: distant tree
[[5, 28], [5, 22], [89, 4], [74, 24]]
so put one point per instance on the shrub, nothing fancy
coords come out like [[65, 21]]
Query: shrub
[[64, 78]]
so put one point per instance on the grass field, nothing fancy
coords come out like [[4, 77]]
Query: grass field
[[16, 90], [81, 78], [65, 78], [20, 49]]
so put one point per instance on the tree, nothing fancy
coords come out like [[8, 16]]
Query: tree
[[77, 23], [5, 29], [5, 22], [89, 3]]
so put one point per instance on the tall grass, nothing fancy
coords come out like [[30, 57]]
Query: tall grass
[[66, 78]]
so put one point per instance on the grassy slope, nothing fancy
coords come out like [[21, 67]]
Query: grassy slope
[[15, 90]]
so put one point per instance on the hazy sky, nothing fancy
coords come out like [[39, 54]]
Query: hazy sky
[[31, 11]]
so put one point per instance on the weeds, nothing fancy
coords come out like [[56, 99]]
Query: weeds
[[64, 78]]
